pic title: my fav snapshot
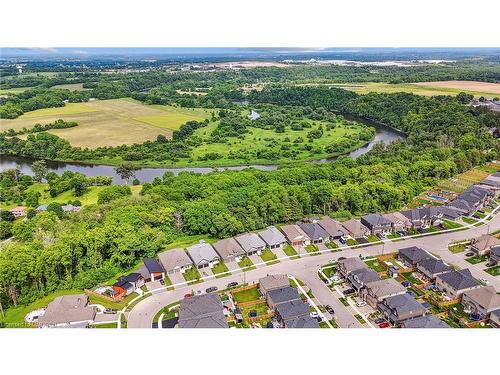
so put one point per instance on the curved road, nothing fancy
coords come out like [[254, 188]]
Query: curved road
[[305, 268]]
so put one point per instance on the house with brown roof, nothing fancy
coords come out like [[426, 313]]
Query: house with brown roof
[[481, 301], [229, 250], [483, 245], [355, 229], [348, 265], [377, 291], [399, 221], [68, 310], [271, 282], [295, 235], [332, 227]]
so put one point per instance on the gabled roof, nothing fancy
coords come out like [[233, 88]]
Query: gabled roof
[[67, 309], [352, 264], [303, 322], [284, 294], [125, 281], [485, 242], [428, 321], [495, 251], [152, 265], [461, 204], [403, 303], [294, 232], [228, 247], [459, 280], [450, 212], [434, 266], [292, 309], [486, 296], [395, 217], [250, 241], [365, 275], [332, 227], [354, 227], [415, 254], [376, 219], [272, 236], [204, 311], [173, 258], [202, 252], [385, 287], [426, 213], [274, 281], [314, 231]]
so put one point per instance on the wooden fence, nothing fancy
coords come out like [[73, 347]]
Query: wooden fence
[[244, 287], [110, 299], [260, 317], [252, 303]]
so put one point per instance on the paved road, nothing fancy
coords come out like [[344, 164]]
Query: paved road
[[305, 268]]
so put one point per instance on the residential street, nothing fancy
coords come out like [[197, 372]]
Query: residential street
[[306, 268]]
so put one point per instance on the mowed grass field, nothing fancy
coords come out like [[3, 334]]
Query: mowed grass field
[[110, 122], [70, 86]]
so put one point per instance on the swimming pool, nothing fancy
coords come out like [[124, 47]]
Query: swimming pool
[[438, 198]]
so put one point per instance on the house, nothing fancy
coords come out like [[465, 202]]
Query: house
[[358, 278], [271, 282], [483, 245], [229, 250], [175, 260], [472, 199], [377, 291], [399, 221], [481, 301], [355, 229], [402, 307], [303, 322], [292, 310], [41, 208], [204, 311], [450, 212], [462, 206], [348, 265], [455, 283], [127, 284], [495, 318], [423, 217], [332, 227], [413, 255], [295, 235], [273, 238], [70, 208], [315, 232], [251, 243], [151, 270], [68, 310], [432, 267], [18, 211], [281, 295], [376, 223], [427, 321], [203, 255], [495, 255]]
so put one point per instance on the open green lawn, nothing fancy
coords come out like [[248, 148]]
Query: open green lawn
[[351, 242], [494, 271], [312, 249], [246, 264], [14, 90], [393, 235], [248, 295], [455, 249], [260, 308], [373, 238], [220, 269], [268, 256], [173, 117], [70, 86], [451, 224], [290, 251], [375, 265], [408, 276], [469, 220], [192, 275], [105, 325], [477, 259]]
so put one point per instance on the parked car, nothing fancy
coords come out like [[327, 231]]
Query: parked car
[[384, 325], [314, 314], [483, 280], [469, 254], [379, 235], [341, 258], [342, 241], [361, 303], [162, 281], [212, 289], [269, 325], [199, 292], [232, 284], [188, 295], [252, 314], [349, 291], [335, 278], [406, 283], [379, 321], [330, 310], [109, 311]]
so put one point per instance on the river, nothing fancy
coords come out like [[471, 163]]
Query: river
[[384, 134]]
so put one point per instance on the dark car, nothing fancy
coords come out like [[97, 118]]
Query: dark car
[[269, 325], [341, 258], [342, 241], [232, 284], [211, 289], [109, 311], [330, 310], [349, 291], [469, 254], [252, 314], [162, 282], [406, 283], [379, 321]]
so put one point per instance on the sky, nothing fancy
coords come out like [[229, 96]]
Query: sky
[[256, 23]]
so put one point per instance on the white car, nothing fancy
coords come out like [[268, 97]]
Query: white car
[[361, 303], [314, 314], [484, 281], [335, 278]]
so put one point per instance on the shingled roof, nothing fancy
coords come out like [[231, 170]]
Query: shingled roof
[[459, 280], [203, 311]]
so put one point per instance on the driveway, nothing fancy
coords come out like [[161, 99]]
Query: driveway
[[256, 260], [206, 271], [106, 318], [152, 285], [176, 278], [232, 266], [280, 253]]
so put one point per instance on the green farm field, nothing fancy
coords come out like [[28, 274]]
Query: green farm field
[[110, 122]]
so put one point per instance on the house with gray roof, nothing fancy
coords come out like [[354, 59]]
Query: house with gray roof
[[229, 250], [281, 295], [355, 228], [175, 261], [463, 206], [292, 310], [68, 310], [204, 311], [315, 232], [455, 283], [251, 243], [151, 270], [427, 321], [295, 235], [399, 221], [273, 238], [377, 223], [432, 267], [346, 266], [271, 282], [41, 208], [483, 244], [377, 291], [203, 255], [481, 301], [358, 278], [495, 318], [413, 255], [303, 322], [423, 217], [402, 307], [332, 227], [450, 212], [495, 255]]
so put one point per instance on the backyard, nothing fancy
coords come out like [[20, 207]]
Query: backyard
[[247, 295], [375, 265]]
